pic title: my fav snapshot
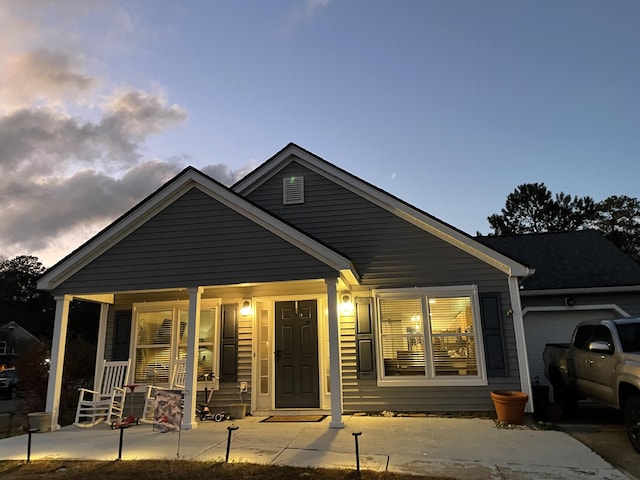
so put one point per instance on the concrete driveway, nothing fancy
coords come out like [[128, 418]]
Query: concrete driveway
[[602, 430]]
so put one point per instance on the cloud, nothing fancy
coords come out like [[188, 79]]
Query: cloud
[[38, 75], [303, 12], [72, 149], [44, 140]]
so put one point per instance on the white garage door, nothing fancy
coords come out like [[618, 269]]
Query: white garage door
[[553, 327]]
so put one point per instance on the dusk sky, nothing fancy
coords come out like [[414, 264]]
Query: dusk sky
[[448, 105]]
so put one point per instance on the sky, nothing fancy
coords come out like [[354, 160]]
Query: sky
[[449, 105]]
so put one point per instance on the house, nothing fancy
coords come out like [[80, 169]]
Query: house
[[578, 276], [14, 339], [304, 285]]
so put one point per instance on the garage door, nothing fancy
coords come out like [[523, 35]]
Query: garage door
[[553, 327]]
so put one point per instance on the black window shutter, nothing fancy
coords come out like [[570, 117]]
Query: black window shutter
[[491, 318], [229, 343], [121, 336], [364, 339]]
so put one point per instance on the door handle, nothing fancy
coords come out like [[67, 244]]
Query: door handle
[[278, 355]]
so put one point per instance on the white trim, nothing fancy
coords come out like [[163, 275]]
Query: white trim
[[100, 298], [577, 291], [102, 340], [334, 354], [521, 343], [191, 380], [423, 293], [323, 327], [171, 192], [562, 308], [58, 345], [383, 200]]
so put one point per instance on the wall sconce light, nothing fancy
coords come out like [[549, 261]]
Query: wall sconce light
[[245, 309], [346, 305]]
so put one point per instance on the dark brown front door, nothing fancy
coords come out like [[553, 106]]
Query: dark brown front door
[[297, 355]]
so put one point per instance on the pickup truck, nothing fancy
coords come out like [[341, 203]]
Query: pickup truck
[[601, 363]]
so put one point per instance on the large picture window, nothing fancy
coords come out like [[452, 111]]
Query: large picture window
[[429, 336], [161, 339]]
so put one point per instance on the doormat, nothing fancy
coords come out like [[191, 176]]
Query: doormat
[[294, 418]]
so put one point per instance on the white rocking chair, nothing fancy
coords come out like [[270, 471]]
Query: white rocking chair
[[107, 403], [176, 382]]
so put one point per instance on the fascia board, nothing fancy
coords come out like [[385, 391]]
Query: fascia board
[[143, 212], [389, 203]]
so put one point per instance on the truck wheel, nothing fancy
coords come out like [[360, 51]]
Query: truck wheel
[[632, 420]]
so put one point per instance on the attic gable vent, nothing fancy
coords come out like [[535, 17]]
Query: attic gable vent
[[292, 190]]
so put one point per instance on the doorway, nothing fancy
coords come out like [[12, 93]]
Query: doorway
[[296, 354]]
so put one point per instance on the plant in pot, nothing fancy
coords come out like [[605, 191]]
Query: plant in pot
[[238, 410]]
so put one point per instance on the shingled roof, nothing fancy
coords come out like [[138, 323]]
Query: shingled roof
[[568, 260]]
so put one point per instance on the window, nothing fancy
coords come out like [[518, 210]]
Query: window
[[629, 336], [3, 348], [429, 336], [161, 339]]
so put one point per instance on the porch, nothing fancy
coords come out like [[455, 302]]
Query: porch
[[236, 340]]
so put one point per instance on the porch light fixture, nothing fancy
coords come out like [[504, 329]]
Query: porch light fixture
[[245, 309], [346, 305]]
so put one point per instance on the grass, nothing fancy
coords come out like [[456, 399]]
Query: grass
[[193, 470]]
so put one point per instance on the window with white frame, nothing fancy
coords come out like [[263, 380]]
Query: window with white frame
[[429, 335], [161, 339], [3, 348]]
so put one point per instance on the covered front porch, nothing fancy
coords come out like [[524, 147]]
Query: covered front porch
[[272, 345]]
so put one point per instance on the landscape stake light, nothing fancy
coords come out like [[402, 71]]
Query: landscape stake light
[[229, 429], [355, 436], [31, 431]]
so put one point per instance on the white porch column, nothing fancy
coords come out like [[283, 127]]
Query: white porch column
[[334, 354], [101, 341], [58, 345], [191, 378]]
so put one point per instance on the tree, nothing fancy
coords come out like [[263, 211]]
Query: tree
[[20, 300], [18, 277], [618, 218], [532, 208]]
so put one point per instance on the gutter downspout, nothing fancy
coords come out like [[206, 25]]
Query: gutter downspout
[[521, 344]]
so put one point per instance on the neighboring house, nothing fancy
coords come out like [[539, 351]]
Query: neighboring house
[[314, 289], [578, 276], [14, 339]]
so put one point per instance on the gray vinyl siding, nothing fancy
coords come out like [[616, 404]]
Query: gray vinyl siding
[[195, 241], [389, 252]]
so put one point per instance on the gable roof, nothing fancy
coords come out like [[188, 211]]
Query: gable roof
[[187, 179], [568, 260], [402, 209], [18, 332]]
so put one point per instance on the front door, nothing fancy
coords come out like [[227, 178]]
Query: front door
[[297, 355]]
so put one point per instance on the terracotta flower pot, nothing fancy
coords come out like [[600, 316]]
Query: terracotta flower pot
[[509, 405]]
